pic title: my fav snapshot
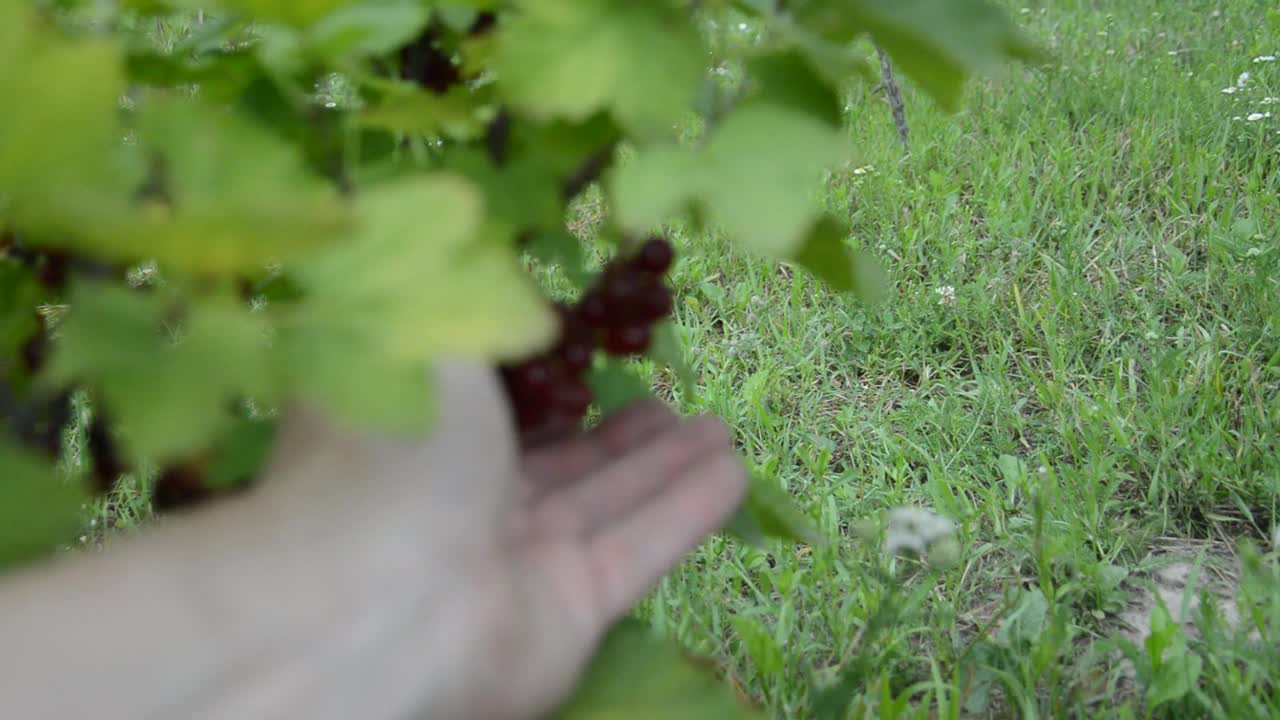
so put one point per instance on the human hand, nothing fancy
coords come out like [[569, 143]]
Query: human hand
[[475, 578]]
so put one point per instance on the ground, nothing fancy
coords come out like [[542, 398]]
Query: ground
[[1078, 362]]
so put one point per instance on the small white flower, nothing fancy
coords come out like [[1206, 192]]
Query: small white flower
[[865, 169], [1025, 11], [331, 104], [1243, 79], [946, 295], [1254, 117], [914, 529], [1237, 117], [1265, 58], [1229, 90], [1270, 100], [742, 26]]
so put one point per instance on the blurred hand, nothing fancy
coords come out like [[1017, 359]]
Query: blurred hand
[[476, 579]]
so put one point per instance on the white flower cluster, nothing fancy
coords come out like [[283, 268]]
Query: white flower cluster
[[915, 530], [1243, 83], [946, 295]]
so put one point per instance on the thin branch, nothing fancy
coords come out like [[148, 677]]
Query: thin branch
[[894, 95]]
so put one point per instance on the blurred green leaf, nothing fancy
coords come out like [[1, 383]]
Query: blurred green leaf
[[38, 509], [667, 349], [357, 382], [67, 185], [368, 28], [167, 371], [241, 453], [825, 253], [423, 278], [615, 385], [636, 674], [761, 191], [407, 108], [769, 512], [571, 58], [559, 247], [938, 43], [222, 194], [789, 79], [522, 194], [1174, 668], [19, 295], [761, 646]]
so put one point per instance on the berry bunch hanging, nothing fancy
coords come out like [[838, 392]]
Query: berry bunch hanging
[[549, 392]]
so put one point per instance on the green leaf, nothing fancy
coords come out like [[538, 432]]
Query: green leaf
[[422, 279], [826, 254], [357, 383], [67, 185], [769, 512], [666, 348], [368, 28], [1025, 624], [407, 108], [615, 385], [641, 61], [521, 194], [789, 79], [222, 195], [761, 646], [19, 296], [559, 247], [168, 372], [636, 674], [221, 75], [38, 509], [241, 453], [938, 43], [299, 13], [761, 191], [1175, 669]]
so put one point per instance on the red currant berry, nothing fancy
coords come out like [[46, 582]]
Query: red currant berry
[[627, 340], [655, 256]]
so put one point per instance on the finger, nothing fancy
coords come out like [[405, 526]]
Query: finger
[[613, 491], [626, 559], [572, 459]]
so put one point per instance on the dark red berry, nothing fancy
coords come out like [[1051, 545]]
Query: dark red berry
[[572, 398], [627, 340], [532, 379], [593, 309], [575, 356], [620, 287], [655, 256], [653, 303]]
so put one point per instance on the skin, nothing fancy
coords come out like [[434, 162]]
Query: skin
[[453, 576]]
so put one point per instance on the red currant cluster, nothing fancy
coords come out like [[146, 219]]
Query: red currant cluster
[[549, 392]]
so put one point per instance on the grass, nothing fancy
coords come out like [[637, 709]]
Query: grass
[[1101, 384], [1078, 362]]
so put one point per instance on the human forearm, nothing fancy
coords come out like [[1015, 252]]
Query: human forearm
[[209, 616]]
